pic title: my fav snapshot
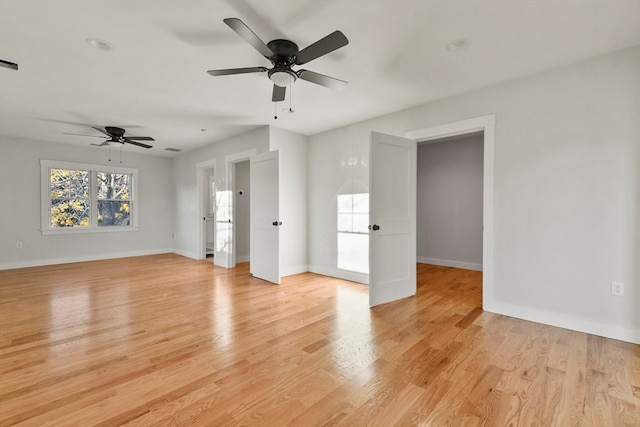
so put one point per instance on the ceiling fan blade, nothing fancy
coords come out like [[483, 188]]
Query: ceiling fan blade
[[278, 93], [245, 32], [101, 131], [140, 138], [231, 71], [84, 134], [139, 144], [321, 79], [333, 41]]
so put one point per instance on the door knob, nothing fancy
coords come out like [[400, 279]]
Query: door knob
[[375, 227]]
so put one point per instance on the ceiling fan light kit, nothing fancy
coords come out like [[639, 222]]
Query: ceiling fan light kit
[[282, 78], [284, 54]]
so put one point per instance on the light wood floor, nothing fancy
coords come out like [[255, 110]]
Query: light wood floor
[[165, 340]]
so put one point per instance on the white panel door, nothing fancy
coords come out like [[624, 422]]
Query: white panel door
[[265, 224], [392, 217]]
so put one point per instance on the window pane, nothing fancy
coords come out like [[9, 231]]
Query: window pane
[[59, 176], [360, 223], [69, 213], [69, 183], [79, 184], [353, 252], [224, 214], [345, 203], [361, 203], [59, 179], [345, 222], [224, 209], [113, 213], [113, 186]]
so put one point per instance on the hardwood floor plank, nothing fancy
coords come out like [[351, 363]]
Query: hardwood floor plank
[[166, 340]]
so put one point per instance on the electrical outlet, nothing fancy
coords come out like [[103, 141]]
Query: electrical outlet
[[617, 288], [18, 245]]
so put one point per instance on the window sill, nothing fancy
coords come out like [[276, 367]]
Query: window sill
[[51, 232]]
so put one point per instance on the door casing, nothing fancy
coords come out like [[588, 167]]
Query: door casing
[[485, 124]]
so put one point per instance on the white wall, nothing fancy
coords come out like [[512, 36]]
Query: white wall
[[20, 207], [449, 202], [338, 164], [188, 219], [566, 177], [243, 211], [292, 149]]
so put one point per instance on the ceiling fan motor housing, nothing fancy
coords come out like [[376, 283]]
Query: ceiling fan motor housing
[[285, 52], [114, 131], [117, 134]]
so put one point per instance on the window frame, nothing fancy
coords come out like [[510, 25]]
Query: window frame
[[45, 193]]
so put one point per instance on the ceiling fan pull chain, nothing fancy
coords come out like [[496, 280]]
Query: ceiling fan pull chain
[[108, 145], [275, 110], [291, 96], [121, 153]]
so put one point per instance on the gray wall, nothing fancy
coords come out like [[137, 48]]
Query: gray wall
[[243, 211], [449, 202], [20, 206]]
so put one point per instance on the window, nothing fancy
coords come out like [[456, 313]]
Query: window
[[353, 232], [113, 199], [69, 198], [87, 198]]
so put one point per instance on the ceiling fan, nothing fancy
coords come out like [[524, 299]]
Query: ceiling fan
[[116, 134], [284, 54]]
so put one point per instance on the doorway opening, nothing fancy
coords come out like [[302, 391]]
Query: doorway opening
[[449, 201], [242, 210], [209, 218], [205, 212], [233, 221], [484, 125]]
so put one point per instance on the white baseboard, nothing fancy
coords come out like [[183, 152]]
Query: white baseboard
[[83, 258], [341, 274], [187, 254], [565, 321], [450, 263], [290, 271]]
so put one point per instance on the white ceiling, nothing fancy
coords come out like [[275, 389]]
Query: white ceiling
[[154, 81]]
